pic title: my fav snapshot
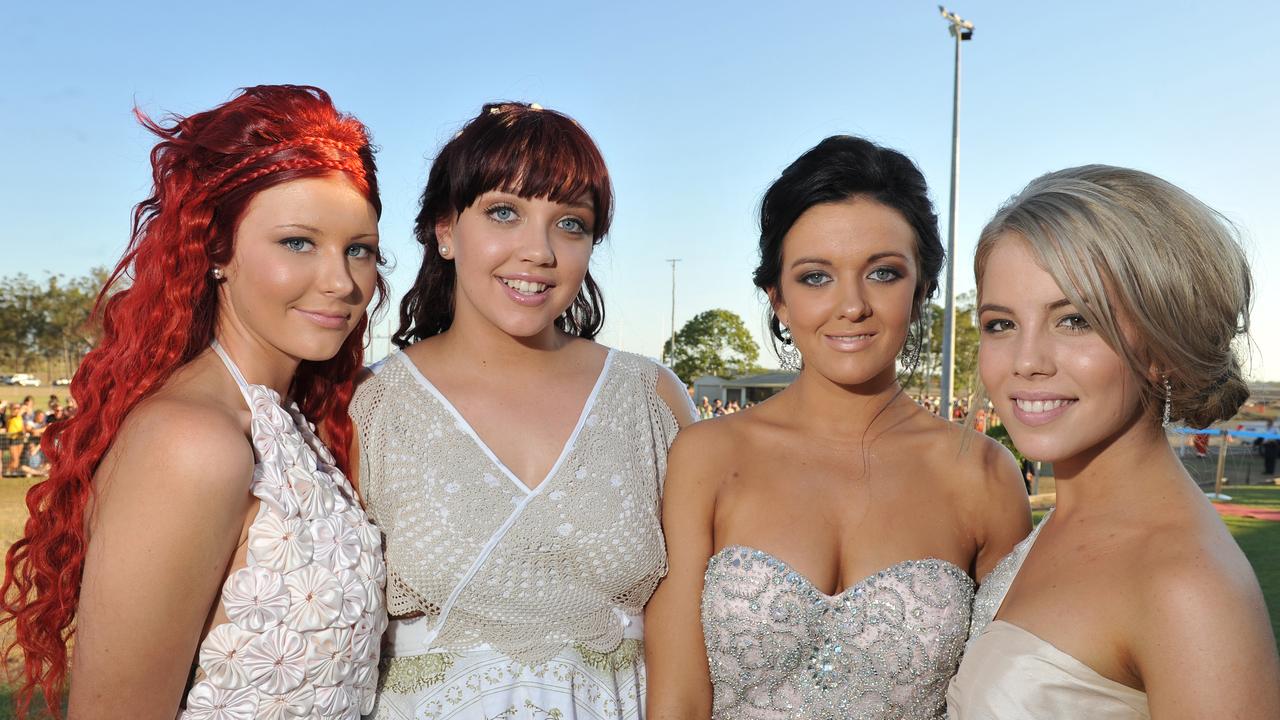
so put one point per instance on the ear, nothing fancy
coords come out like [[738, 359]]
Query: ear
[[444, 235], [779, 306]]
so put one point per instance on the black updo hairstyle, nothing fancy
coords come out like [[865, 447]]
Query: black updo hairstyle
[[839, 168]]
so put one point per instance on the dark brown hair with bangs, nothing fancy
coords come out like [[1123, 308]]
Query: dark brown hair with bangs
[[524, 150]]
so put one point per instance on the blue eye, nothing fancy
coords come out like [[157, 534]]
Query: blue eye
[[296, 244], [502, 213], [885, 274], [815, 279], [361, 251], [573, 225]]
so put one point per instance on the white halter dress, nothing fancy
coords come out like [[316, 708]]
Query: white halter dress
[[306, 613]]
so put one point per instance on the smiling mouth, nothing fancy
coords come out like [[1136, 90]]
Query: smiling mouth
[[1041, 406], [326, 320], [525, 287]]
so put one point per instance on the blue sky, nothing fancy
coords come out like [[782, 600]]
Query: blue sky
[[697, 106]]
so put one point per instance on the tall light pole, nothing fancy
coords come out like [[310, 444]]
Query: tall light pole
[[671, 358], [961, 30]]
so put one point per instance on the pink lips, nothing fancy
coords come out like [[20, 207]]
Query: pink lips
[[522, 299], [1044, 417], [325, 320], [849, 343]]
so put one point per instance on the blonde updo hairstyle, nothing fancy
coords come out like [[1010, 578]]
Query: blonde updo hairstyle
[[1156, 272]]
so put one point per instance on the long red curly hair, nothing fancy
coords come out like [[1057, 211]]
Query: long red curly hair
[[158, 311]]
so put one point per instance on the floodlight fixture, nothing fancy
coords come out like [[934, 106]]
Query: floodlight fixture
[[958, 25]]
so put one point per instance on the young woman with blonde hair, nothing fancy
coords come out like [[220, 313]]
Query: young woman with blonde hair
[[1110, 302]]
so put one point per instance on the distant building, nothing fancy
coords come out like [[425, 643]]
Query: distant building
[[743, 390]]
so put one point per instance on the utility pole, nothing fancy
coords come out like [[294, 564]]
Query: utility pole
[[961, 30], [671, 358]]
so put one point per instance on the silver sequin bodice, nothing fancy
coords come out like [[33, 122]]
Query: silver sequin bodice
[[780, 649]]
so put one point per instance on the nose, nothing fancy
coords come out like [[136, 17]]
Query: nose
[[1032, 356], [535, 245], [853, 302], [335, 275]]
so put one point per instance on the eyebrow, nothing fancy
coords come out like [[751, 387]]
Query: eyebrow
[[988, 307], [888, 254], [317, 231], [811, 261], [582, 203], [828, 263]]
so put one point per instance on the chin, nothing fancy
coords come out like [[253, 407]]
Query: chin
[[526, 325], [317, 350], [1047, 447], [851, 374]]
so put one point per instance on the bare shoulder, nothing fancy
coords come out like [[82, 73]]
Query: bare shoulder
[[983, 482], [975, 462], [184, 445], [706, 442], [1189, 570], [1196, 596]]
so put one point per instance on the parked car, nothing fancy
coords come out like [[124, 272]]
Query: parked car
[[24, 380], [62, 381]]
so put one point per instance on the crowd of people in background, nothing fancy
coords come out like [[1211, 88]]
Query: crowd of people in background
[[708, 409], [24, 425]]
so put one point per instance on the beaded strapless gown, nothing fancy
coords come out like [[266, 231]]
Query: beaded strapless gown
[[883, 649]]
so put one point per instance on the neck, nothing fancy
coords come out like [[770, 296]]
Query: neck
[[483, 343], [832, 408], [1120, 472], [259, 362]]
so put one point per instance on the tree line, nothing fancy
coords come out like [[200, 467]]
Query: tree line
[[45, 326]]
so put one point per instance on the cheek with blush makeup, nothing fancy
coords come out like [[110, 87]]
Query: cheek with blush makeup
[[1060, 388]]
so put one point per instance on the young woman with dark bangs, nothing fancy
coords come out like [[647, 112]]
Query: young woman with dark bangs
[[513, 464], [195, 534]]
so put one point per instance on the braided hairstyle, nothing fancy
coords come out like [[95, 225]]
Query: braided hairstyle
[[158, 312]]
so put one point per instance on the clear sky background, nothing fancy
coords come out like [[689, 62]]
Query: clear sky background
[[697, 107]]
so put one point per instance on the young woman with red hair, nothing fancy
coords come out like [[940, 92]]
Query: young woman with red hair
[[514, 465], [195, 535]]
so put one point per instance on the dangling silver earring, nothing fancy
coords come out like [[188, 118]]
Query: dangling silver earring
[[789, 354], [1168, 399], [911, 350], [216, 273]]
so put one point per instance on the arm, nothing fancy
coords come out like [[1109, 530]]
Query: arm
[[1002, 511], [1204, 646], [679, 682], [171, 503]]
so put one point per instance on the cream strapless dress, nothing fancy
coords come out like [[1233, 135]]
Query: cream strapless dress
[[1010, 674]]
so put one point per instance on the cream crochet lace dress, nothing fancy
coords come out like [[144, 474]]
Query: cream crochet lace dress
[[528, 602]]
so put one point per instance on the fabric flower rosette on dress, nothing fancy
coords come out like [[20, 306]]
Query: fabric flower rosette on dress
[[306, 613]]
